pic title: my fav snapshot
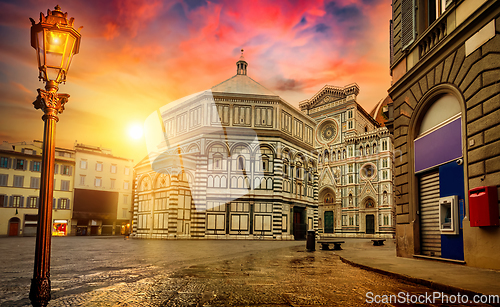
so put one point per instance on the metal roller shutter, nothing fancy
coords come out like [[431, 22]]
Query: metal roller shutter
[[430, 237]]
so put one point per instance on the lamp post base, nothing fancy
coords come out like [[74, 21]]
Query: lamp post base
[[40, 292]]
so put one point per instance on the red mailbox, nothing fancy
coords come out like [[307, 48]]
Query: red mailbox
[[483, 206]]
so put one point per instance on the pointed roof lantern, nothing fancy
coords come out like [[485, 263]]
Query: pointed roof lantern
[[241, 65]]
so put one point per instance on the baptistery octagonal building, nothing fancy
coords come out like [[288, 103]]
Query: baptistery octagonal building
[[239, 162]]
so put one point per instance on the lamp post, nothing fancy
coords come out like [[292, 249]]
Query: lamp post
[[56, 41]]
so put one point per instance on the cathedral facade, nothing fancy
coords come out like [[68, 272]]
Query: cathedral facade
[[239, 162]]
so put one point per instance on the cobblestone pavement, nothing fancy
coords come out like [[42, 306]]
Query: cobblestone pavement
[[114, 272]]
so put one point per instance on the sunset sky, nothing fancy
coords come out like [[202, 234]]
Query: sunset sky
[[138, 55]]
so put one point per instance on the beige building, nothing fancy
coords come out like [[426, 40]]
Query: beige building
[[445, 92], [102, 191], [20, 165]]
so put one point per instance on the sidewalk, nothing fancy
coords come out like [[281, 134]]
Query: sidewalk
[[439, 275]]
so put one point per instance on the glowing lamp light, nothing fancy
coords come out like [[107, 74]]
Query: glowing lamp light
[[56, 41]]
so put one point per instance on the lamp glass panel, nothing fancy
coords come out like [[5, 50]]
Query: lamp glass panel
[[70, 47], [41, 48], [55, 46], [53, 73]]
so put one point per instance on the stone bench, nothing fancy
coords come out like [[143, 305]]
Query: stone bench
[[325, 244], [378, 242]]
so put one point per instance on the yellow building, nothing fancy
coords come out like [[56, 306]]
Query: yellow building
[[20, 166], [103, 192]]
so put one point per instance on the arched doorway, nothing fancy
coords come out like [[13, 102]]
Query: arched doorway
[[438, 170], [368, 205], [326, 216], [14, 226]]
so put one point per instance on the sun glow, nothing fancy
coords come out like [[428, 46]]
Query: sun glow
[[135, 131]]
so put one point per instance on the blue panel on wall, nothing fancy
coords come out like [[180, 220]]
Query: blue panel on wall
[[439, 146], [451, 182]]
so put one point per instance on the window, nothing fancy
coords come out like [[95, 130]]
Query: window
[[18, 181], [125, 199], [265, 164], [241, 163], [63, 203], [113, 168], [126, 185], [124, 213], [32, 202], [98, 181], [215, 222], [384, 145], [35, 183], [4, 178], [349, 114], [83, 164], [407, 23], [127, 170], [64, 185], [82, 179], [344, 220], [350, 179], [20, 164], [350, 152], [217, 163], [113, 181], [4, 162], [36, 166], [350, 124], [384, 175], [262, 222], [384, 163], [16, 201], [66, 170], [284, 222], [98, 166]]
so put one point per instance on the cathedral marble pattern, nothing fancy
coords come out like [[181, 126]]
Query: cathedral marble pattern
[[237, 161]]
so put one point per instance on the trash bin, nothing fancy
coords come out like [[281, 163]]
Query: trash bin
[[311, 241]]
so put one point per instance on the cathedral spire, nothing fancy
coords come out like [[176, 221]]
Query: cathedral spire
[[241, 65]]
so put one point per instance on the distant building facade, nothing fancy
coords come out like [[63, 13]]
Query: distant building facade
[[20, 166], [445, 69], [239, 162], [92, 190], [103, 192]]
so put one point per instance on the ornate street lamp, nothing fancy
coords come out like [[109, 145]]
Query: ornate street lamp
[[56, 41]]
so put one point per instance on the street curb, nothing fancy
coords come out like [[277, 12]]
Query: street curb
[[424, 282]]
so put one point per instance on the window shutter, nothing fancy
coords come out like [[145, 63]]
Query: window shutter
[[14, 164], [67, 204], [5, 200], [56, 169], [21, 202], [71, 170], [9, 163], [25, 166], [31, 165], [54, 204], [407, 23], [59, 203], [11, 201], [34, 152], [28, 201]]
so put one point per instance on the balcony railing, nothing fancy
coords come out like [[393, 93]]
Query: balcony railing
[[432, 38]]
